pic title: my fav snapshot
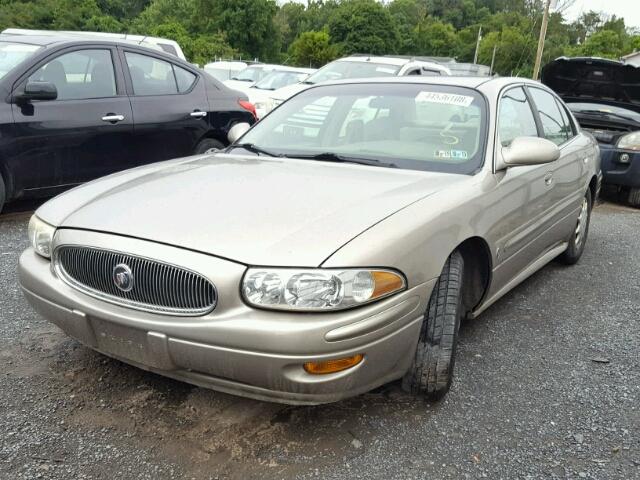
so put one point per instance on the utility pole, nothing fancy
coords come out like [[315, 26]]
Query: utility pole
[[475, 56], [543, 34]]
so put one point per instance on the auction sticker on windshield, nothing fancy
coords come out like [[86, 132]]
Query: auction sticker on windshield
[[445, 98]]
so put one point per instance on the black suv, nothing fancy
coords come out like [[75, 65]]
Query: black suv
[[75, 109]]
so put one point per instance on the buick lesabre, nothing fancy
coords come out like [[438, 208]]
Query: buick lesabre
[[333, 247]]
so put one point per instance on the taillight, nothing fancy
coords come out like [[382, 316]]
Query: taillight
[[250, 107]]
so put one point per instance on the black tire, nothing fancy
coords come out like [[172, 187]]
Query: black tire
[[634, 197], [431, 372], [578, 238], [207, 144], [2, 193]]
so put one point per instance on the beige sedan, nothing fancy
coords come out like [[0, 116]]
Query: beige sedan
[[334, 247]]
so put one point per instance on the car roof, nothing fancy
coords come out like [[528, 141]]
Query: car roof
[[484, 83], [48, 40]]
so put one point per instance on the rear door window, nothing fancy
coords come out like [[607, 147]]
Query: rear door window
[[554, 125], [152, 76]]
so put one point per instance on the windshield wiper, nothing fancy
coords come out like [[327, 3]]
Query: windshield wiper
[[255, 149], [307, 82], [609, 114], [334, 157]]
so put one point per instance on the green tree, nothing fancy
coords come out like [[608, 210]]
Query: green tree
[[248, 25], [290, 20], [434, 38], [407, 14], [364, 26], [199, 49], [603, 43], [313, 49]]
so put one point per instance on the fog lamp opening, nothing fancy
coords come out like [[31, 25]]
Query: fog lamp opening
[[333, 366]]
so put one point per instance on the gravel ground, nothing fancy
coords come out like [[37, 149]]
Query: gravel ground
[[547, 386]]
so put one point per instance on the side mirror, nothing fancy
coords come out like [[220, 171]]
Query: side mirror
[[38, 91], [237, 131], [529, 151]]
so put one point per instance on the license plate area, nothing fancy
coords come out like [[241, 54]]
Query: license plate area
[[123, 342]]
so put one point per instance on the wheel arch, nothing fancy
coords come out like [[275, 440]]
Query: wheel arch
[[478, 267]]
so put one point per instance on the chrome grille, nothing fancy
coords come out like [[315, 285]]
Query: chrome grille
[[157, 287]]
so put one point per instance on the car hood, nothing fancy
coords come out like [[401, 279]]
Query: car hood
[[593, 79], [253, 210]]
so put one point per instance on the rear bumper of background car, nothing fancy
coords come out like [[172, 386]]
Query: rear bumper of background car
[[239, 350], [615, 172]]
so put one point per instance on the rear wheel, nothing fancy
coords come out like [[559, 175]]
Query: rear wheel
[[432, 370], [207, 145], [578, 237]]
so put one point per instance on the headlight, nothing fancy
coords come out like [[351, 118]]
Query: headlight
[[630, 141], [41, 235], [317, 289]]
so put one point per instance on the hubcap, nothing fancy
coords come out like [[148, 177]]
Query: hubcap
[[582, 222]]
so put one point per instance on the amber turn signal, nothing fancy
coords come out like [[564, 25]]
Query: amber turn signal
[[386, 283], [332, 366]]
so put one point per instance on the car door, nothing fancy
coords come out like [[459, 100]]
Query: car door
[[170, 107], [82, 134], [524, 194], [569, 172]]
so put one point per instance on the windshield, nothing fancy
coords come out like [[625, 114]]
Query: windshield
[[594, 108], [11, 54], [342, 69], [276, 80], [250, 74], [413, 126]]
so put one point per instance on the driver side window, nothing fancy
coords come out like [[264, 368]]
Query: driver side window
[[515, 118]]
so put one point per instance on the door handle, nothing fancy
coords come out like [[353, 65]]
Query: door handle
[[113, 118], [548, 179], [198, 114]]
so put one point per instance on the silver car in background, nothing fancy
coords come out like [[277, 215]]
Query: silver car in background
[[335, 247]]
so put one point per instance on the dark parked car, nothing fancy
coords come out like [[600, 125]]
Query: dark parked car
[[76, 109], [604, 96]]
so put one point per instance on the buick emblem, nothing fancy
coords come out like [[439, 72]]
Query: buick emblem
[[123, 277]]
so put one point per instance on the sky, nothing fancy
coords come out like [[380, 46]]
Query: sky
[[628, 9]]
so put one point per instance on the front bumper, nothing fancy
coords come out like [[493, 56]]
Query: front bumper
[[618, 173], [234, 349]]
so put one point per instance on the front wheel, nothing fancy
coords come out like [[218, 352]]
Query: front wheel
[[578, 238], [431, 372]]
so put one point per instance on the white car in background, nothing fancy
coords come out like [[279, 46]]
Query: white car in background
[[250, 75], [224, 70], [259, 93], [361, 66]]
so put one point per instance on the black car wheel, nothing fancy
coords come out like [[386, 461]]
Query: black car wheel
[[578, 237], [432, 370], [207, 144]]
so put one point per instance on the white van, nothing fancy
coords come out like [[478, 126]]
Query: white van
[[162, 44]]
